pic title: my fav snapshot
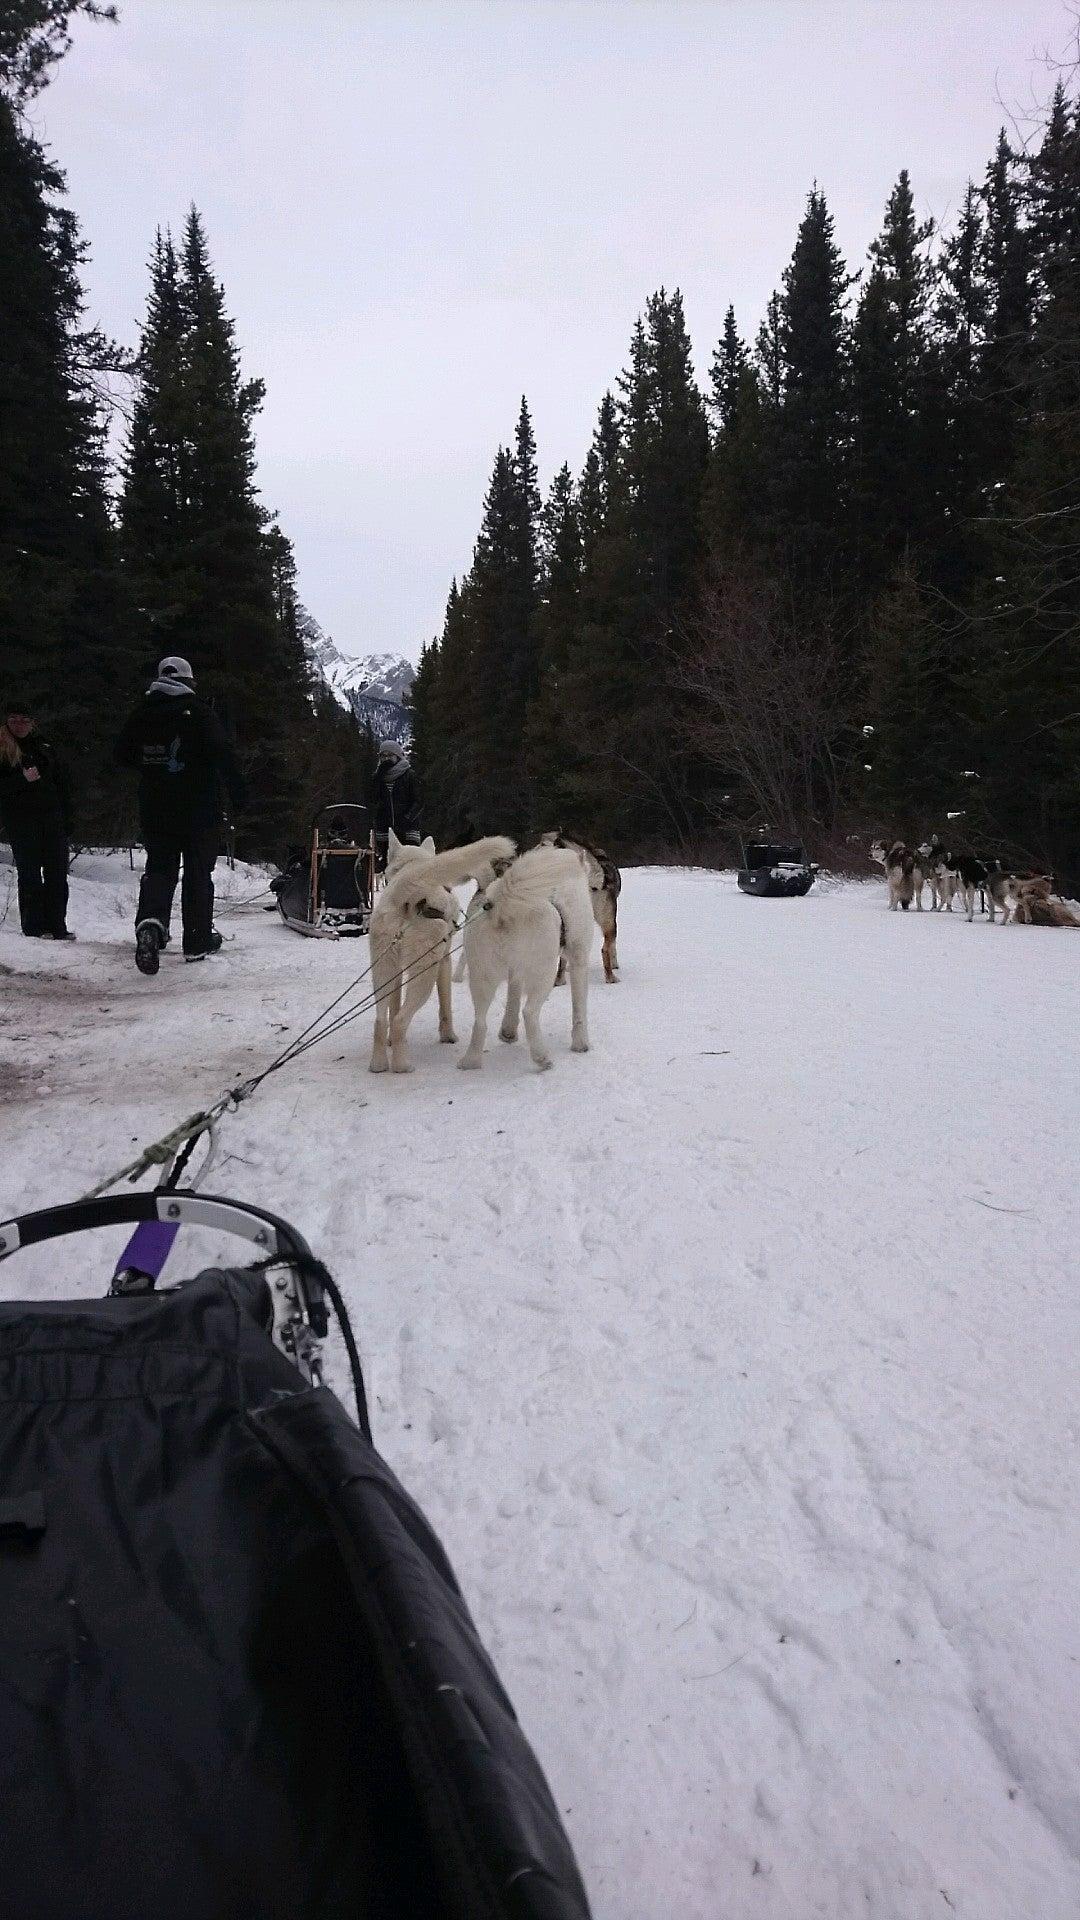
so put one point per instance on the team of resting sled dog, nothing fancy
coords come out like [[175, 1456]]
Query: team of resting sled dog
[[1024, 897], [531, 922]]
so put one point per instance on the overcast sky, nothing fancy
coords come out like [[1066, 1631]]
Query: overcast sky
[[422, 209]]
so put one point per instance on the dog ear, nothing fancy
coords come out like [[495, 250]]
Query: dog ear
[[428, 845], [393, 843]]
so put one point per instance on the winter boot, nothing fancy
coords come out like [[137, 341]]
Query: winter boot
[[148, 947], [214, 947]]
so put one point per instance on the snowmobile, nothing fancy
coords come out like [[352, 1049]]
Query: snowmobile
[[768, 868], [327, 889], [238, 1675]]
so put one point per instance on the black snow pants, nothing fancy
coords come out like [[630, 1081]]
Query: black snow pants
[[40, 851], [198, 849]]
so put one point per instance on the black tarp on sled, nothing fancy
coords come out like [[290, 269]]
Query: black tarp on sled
[[775, 871], [327, 888], [237, 1678]]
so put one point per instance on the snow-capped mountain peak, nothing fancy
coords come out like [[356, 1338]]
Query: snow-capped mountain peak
[[384, 676], [373, 686]]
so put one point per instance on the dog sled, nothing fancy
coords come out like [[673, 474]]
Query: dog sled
[[771, 869], [238, 1675], [327, 889]]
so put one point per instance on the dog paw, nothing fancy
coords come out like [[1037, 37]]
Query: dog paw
[[405, 1066], [448, 1039], [379, 1066], [509, 1034], [468, 1063], [543, 1066], [579, 1046]]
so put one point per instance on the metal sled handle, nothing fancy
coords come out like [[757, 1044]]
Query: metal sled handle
[[314, 1284], [266, 1230]]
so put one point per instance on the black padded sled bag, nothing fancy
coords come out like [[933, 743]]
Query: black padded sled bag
[[237, 1678]]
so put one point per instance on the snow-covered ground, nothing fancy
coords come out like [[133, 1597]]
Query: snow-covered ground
[[735, 1362]]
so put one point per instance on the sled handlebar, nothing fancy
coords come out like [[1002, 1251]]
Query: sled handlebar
[[265, 1230]]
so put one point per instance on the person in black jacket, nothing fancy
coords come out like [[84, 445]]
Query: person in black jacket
[[35, 816], [394, 800], [181, 754]]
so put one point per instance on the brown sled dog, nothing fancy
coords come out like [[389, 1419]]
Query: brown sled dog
[[1035, 907], [605, 886]]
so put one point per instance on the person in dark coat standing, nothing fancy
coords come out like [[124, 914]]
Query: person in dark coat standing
[[178, 747], [395, 802], [35, 816]]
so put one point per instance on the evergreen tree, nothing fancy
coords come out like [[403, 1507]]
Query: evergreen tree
[[426, 717], [639, 573], [600, 476], [895, 493], [740, 510], [726, 375], [442, 704], [1049, 195], [198, 555], [769, 353], [526, 470], [811, 436], [666, 450], [503, 646], [61, 609], [959, 332], [551, 746], [1007, 346], [1029, 668], [34, 35], [917, 756]]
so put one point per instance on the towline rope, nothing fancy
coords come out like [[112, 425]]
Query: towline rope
[[177, 1145]]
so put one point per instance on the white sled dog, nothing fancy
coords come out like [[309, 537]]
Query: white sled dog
[[605, 886], [529, 914], [412, 925], [491, 872]]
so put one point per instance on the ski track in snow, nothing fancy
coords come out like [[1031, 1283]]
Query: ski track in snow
[[734, 1362]]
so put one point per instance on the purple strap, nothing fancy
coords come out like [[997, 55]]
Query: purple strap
[[148, 1249]]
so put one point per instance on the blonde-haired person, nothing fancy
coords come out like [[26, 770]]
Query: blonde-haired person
[[34, 816]]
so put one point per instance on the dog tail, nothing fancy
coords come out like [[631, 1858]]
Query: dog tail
[[908, 862], [458, 864], [535, 875]]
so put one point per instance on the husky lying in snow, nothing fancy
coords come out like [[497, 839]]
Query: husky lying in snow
[[412, 924], [900, 865], [528, 914], [1033, 905]]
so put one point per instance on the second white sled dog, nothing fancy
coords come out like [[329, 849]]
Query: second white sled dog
[[530, 914], [412, 925]]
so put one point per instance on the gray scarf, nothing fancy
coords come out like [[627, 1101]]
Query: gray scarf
[[171, 686]]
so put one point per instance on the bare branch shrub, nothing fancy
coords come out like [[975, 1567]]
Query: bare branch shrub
[[763, 692]]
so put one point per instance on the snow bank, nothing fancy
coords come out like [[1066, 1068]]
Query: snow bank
[[733, 1361]]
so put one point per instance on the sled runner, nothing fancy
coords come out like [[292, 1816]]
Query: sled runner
[[328, 890], [767, 868], [237, 1675]]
